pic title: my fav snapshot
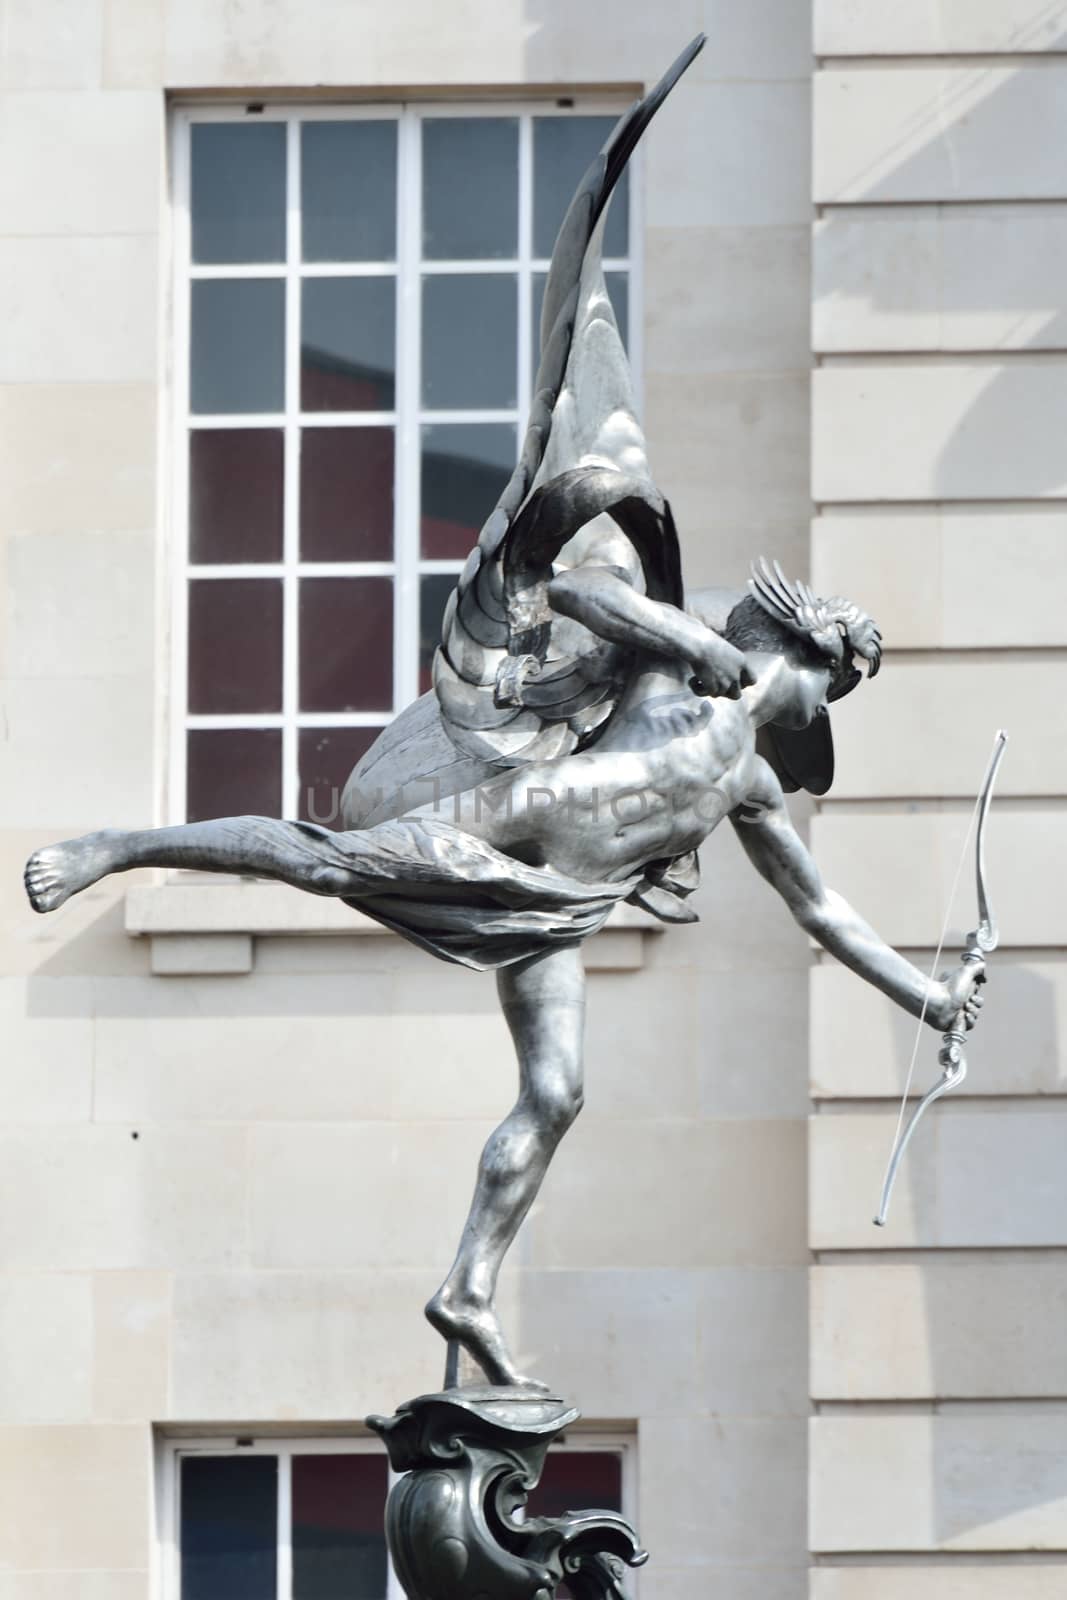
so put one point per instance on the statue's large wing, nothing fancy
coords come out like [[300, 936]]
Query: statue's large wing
[[513, 682]]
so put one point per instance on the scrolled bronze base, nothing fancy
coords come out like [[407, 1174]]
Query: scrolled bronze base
[[469, 1458]]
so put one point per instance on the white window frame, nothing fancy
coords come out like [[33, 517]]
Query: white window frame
[[171, 1451], [407, 418]]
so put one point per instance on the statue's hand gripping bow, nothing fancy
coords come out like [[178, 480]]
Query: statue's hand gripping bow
[[980, 944]]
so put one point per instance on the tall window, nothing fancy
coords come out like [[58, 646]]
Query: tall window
[[358, 298], [281, 1519]]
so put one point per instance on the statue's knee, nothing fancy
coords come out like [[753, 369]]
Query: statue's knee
[[556, 1104]]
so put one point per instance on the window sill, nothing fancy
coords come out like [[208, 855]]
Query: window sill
[[200, 926]]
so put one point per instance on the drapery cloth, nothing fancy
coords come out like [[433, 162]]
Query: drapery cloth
[[455, 895]]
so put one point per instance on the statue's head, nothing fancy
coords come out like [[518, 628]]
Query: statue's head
[[837, 629], [820, 640]]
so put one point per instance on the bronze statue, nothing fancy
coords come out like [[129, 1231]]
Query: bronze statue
[[590, 725]]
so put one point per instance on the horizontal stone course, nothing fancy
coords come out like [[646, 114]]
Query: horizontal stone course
[[950, 577], [868, 27], [971, 1179], [935, 277], [897, 868], [861, 1042], [935, 430], [989, 1482], [984, 1329], [954, 704], [959, 1579], [937, 132]]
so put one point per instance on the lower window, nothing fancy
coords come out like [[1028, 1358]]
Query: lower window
[[302, 1519]]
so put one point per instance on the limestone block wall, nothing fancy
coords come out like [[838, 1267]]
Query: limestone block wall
[[224, 1199], [937, 1371]]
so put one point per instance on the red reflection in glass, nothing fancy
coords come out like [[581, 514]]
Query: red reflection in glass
[[235, 494], [346, 644], [231, 772], [346, 494], [235, 645], [327, 756], [338, 1539]]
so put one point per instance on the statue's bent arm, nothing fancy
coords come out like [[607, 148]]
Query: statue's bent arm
[[608, 605], [774, 847]]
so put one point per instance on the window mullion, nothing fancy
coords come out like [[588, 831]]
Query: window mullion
[[285, 1523], [409, 323], [291, 481], [179, 616]]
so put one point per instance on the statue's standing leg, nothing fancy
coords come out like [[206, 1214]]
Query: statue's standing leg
[[543, 1000]]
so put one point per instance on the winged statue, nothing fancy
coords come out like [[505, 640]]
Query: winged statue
[[589, 726]]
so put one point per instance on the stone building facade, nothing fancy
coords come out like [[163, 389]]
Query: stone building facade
[[238, 1128]]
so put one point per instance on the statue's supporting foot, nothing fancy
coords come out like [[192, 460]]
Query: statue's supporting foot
[[469, 1459], [475, 1325]]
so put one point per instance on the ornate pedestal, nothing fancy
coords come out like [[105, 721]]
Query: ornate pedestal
[[470, 1456]]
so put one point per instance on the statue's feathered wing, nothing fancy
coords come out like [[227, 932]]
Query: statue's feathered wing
[[515, 683]]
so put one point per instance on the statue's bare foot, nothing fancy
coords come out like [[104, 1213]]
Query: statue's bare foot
[[477, 1327], [55, 873]]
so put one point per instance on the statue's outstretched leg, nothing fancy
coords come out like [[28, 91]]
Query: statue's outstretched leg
[[544, 1003], [264, 847]]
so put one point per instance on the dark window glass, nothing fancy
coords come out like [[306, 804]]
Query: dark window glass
[[346, 644], [577, 1480], [232, 772], [348, 190], [235, 494], [618, 287], [235, 645], [470, 188], [434, 590], [348, 344], [237, 357], [346, 494], [468, 341], [229, 1533], [465, 466], [563, 149], [327, 756], [238, 191], [338, 1540]]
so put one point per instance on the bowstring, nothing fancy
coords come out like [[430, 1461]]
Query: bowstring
[[933, 970]]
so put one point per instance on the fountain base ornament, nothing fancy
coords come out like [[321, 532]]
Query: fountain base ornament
[[469, 1458]]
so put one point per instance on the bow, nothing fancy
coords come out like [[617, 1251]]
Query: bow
[[981, 943]]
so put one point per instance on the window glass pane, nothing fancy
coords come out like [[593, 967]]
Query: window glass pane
[[229, 1527], [238, 191], [470, 188], [237, 358], [577, 1480], [235, 494], [563, 149], [465, 466], [338, 1540], [348, 190], [468, 341], [346, 644], [618, 287], [434, 590], [346, 494], [233, 772], [327, 756], [235, 645], [348, 344]]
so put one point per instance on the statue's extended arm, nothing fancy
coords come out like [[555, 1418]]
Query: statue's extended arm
[[607, 604], [777, 851]]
